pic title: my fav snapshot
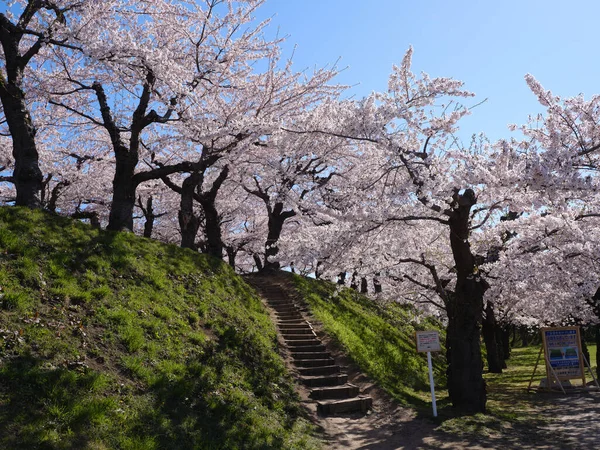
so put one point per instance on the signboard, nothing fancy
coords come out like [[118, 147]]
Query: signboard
[[428, 341], [562, 347]]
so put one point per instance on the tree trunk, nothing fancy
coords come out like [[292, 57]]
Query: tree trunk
[[505, 333], [27, 175], [524, 332], [124, 188], [189, 222], [584, 348], [231, 254], [598, 351], [492, 346], [277, 217], [466, 385], [364, 287], [376, 283], [257, 261], [214, 244], [149, 215]]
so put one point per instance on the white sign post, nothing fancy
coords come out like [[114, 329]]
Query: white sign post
[[429, 341]]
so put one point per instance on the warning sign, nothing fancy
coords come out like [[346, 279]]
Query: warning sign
[[428, 341]]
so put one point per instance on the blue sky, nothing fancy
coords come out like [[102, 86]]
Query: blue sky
[[490, 45]]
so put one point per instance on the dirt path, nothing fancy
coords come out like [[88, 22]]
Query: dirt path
[[567, 422]]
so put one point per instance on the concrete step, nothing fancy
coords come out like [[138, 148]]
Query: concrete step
[[296, 337], [360, 404], [310, 355], [325, 380], [309, 346], [334, 392], [314, 362], [313, 371]]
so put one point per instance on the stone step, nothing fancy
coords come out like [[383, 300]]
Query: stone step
[[278, 303], [296, 337], [325, 380], [295, 331], [360, 404], [294, 316], [286, 311], [291, 321], [314, 362], [313, 371], [308, 346], [294, 326], [289, 315], [310, 355], [334, 392]]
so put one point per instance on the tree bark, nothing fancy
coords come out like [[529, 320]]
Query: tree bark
[[466, 385], [598, 351], [364, 286], [494, 360], [27, 176], [231, 254], [277, 217], [124, 191], [189, 222], [212, 220], [505, 333]]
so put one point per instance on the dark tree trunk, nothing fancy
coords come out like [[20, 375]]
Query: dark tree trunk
[[492, 346], [524, 332], [124, 192], [277, 217], [505, 338], [376, 283], [189, 222], [214, 244], [231, 254], [364, 288], [354, 281], [341, 278], [149, 217], [27, 176], [212, 220], [257, 261], [466, 385], [584, 348], [598, 351]]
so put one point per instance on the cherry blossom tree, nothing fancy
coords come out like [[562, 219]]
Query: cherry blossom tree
[[27, 30]]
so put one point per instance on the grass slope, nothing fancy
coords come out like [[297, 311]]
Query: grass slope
[[378, 338], [111, 341]]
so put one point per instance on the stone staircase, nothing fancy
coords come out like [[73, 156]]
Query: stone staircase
[[314, 365]]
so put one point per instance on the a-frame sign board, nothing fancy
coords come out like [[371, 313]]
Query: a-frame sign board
[[564, 359]]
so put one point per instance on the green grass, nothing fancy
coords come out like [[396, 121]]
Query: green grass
[[379, 338], [110, 341]]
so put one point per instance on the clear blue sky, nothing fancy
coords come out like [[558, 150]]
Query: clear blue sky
[[490, 45]]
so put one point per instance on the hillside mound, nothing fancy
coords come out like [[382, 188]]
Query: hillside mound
[[108, 340]]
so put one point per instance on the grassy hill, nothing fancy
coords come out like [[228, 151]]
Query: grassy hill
[[111, 341]]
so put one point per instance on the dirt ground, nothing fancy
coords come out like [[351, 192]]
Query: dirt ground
[[568, 422]]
